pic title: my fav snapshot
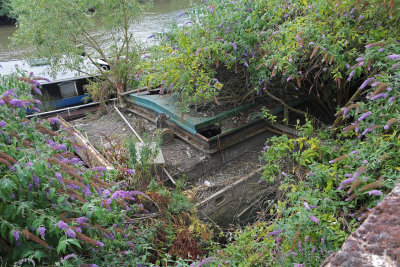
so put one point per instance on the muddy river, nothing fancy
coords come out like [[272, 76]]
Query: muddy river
[[156, 19]]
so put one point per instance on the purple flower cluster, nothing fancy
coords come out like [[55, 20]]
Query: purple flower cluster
[[365, 115], [274, 233], [375, 192], [42, 232], [314, 219], [99, 169], [393, 57], [59, 177], [54, 120], [15, 234], [2, 124], [81, 220], [381, 95], [17, 103], [36, 180], [345, 182], [62, 225]]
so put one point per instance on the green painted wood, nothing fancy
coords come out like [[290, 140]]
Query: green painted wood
[[167, 104]]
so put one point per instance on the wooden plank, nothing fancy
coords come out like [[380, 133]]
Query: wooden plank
[[230, 193], [90, 154]]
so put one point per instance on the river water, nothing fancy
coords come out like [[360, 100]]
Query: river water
[[156, 19]]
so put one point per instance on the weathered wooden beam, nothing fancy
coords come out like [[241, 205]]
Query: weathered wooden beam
[[90, 154]]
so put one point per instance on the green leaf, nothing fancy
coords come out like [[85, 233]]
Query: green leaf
[[62, 245], [75, 242], [4, 227], [52, 192]]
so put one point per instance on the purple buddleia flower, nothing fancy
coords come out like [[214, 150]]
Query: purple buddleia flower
[[60, 147], [2, 102], [375, 192], [322, 240], [10, 92], [361, 17], [265, 148], [381, 49], [350, 76], [306, 238], [204, 262], [347, 181], [284, 173], [227, 30], [54, 120], [314, 219], [81, 220], [306, 205], [274, 233], [74, 187], [360, 59], [130, 171], [69, 256], [393, 57], [37, 90], [2, 124], [62, 225], [366, 83], [99, 169], [130, 245], [100, 244], [16, 103], [365, 115], [182, 14], [15, 234], [69, 232], [392, 99], [366, 131], [74, 160], [42, 232], [59, 177], [313, 250], [36, 180], [86, 190], [106, 193], [381, 95], [30, 187]]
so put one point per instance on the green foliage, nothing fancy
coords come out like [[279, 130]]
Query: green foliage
[[62, 30], [342, 54], [290, 47], [5, 8], [52, 204]]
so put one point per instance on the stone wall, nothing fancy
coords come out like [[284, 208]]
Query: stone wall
[[377, 241]]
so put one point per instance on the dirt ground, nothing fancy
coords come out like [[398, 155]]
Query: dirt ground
[[180, 157]]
